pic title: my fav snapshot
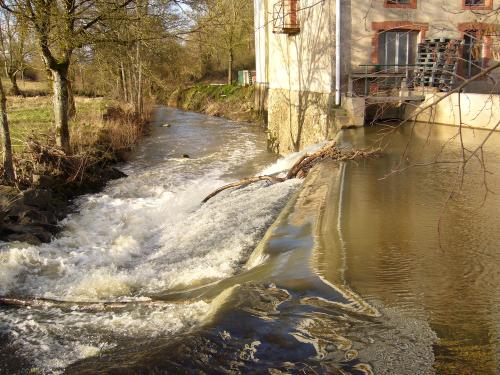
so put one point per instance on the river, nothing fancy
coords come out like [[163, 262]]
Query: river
[[143, 236], [358, 274]]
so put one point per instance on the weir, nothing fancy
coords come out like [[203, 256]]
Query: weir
[[340, 273], [142, 237]]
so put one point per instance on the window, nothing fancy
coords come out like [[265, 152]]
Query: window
[[477, 48], [473, 3], [285, 17], [397, 49], [473, 52], [477, 4], [412, 4]]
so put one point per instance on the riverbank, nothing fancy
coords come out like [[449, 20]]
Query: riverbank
[[103, 133], [227, 101]]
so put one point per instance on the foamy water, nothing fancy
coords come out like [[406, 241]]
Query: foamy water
[[142, 236]]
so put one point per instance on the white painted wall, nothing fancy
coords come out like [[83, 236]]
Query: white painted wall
[[261, 21], [443, 17], [478, 110], [304, 62]]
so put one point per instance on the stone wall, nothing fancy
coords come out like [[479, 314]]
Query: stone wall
[[298, 119]]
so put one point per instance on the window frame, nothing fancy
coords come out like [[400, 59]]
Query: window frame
[[412, 4], [488, 5], [487, 41], [397, 46], [379, 27]]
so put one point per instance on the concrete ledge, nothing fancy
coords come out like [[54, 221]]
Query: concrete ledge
[[478, 110]]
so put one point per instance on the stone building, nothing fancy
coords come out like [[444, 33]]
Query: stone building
[[325, 64]]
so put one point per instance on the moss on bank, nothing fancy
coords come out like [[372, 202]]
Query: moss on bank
[[228, 101]]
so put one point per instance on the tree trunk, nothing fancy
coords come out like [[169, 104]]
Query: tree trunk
[[139, 80], [14, 90], [8, 161], [124, 82], [61, 107], [230, 68], [131, 92], [71, 100]]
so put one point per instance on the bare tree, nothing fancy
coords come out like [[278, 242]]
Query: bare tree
[[61, 26], [14, 49], [8, 161], [228, 25], [141, 56]]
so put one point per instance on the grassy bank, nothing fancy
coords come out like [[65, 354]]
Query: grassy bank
[[98, 123], [30, 88], [103, 132], [228, 101], [33, 117]]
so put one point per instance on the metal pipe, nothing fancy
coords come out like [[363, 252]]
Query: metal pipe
[[337, 52]]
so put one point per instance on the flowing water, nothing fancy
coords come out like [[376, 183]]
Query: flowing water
[[357, 275], [141, 237]]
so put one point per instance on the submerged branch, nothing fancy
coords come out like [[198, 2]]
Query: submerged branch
[[31, 302]]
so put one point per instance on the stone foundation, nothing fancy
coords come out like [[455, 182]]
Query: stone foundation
[[298, 119]]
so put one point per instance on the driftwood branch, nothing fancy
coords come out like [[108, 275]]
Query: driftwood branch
[[301, 167], [30, 302], [244, 182]]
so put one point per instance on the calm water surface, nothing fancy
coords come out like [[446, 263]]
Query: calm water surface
[[405, 245]]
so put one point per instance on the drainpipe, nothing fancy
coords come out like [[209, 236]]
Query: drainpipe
[[337, 52]]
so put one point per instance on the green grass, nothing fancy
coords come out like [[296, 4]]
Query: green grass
[[30, 88], [197, 96], [230, 101], [33, 117]]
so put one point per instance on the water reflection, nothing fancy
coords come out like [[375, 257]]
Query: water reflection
[[406, 249]]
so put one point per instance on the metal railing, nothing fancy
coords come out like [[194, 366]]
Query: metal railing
[[394, 79], [381, 80]]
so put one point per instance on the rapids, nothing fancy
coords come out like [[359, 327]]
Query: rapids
[[143, 236]]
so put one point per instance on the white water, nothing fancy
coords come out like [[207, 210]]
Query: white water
[[142, 236]]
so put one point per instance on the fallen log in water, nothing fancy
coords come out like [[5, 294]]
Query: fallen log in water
[[302, 167], [88, 306], [15, 302]]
